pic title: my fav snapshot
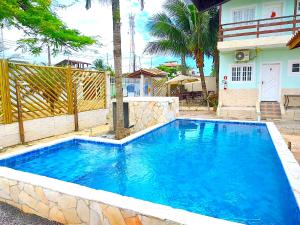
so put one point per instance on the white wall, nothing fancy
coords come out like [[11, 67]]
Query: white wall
[[196, 86], [50, 126]]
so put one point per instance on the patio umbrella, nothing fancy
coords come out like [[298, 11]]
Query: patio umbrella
[[182, 79]]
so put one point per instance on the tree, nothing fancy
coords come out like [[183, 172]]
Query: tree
[[41, 26], [170, 70], [171, 40], [116, 17], [182, 29], [98, 64], [214, 52]]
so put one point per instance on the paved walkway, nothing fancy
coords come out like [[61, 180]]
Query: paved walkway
[[12, 216]]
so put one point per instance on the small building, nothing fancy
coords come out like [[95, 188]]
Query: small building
[[73, 63], [143, 82]]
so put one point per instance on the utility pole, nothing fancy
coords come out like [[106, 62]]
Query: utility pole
[[2, 41], [107, 59], [49, 55], [132, 57]]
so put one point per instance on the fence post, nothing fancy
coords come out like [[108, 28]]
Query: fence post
[[107, 90], [5, 92], [20, 113], [75, 107], [69, 84]]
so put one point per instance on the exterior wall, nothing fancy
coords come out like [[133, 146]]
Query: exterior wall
[[196, 86], [238, 97], [92, 118], [288, 8], [145, 112], [50, 126], [68, 209], [234, 96]]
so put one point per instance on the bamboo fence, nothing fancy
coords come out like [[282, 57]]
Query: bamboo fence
[[30, 91]]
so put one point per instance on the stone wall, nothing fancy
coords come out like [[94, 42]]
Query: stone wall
[[67, 209], [145, 112], [69, 203], [50, 126], [238, 97]]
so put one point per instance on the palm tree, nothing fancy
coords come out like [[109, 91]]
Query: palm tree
[[182, 30], [214, 32], [171, 40], [116, 17]]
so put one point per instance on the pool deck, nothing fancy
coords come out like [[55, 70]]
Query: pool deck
[[290, 130]]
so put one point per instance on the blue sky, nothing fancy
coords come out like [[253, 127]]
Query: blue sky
[[97, 22]]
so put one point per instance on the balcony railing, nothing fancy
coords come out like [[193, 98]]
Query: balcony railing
[[260, 28]]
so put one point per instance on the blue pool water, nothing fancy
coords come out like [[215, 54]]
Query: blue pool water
[[224, 170]]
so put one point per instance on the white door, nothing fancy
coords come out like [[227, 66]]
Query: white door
[[270, 82]]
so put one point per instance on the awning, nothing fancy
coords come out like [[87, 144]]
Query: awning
[[203, 5], [182, 79]]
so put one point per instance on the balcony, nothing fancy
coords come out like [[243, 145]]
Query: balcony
[[285, 25]]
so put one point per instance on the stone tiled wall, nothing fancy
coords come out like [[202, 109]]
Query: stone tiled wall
[[50, 126], [69, 209], [238, 97], [147, 114]]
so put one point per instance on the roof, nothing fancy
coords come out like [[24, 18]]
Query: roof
[[203, 5], [171, 64], [148, 72], [70, 62], [294, 42]]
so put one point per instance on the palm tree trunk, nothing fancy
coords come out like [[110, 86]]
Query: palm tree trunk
[[216, 65], [183, 65], [120, 130], [199, 56]]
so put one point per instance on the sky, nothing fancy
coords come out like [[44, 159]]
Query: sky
[[97, 22]]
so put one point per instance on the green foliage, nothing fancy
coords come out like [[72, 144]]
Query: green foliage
[[99, 64], [41, 25], [170, 70]]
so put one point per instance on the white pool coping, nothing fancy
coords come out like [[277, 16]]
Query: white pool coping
[[163, 212]]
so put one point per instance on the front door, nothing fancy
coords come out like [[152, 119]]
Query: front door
[[270, 82]]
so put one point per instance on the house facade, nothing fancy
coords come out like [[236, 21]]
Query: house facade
[[258, 72]]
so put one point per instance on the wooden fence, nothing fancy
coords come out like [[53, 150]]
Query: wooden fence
[[159, 87], [30, 92]]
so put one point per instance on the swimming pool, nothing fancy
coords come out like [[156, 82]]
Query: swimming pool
[[227, 170]]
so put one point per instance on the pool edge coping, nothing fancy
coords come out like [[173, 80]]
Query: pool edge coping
[[141, 206]]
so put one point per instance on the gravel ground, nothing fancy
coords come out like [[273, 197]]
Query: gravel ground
[[12, 216]]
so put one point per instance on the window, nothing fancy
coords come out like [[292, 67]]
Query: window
[[294, 67], [242, 73], [298, 6], [243, 14]]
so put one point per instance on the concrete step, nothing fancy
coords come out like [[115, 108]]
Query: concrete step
[[270, 110]]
